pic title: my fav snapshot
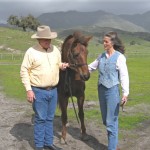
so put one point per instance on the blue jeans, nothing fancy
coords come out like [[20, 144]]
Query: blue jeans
[[44, 107], [109, 105]]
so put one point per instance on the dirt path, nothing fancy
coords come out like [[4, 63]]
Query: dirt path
[[16, 131]]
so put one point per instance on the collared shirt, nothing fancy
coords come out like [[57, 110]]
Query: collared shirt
[[121, 67], [40, 67]]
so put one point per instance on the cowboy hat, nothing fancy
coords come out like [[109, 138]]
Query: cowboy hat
[[44, 32]]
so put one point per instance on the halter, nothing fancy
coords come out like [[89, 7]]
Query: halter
[[72, 59], [75, 65]]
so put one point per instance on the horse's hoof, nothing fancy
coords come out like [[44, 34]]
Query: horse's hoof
[[63, 141], [85, 137]]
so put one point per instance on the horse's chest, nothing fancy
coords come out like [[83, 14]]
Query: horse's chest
[[77, 77], [77, 87]]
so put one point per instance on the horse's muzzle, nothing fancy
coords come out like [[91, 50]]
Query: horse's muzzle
[[85, 77]]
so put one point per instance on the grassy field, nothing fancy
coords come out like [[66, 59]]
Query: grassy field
[[138, 61]]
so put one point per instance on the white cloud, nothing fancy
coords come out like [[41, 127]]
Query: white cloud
[[73, 1], [37, 7]]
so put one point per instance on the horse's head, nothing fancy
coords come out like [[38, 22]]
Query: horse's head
[[76, 54]]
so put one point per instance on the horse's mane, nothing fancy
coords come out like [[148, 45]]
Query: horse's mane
[[66, 39], [78, 38]]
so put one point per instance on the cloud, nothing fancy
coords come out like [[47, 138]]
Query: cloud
[[37, 7], [76, 1]]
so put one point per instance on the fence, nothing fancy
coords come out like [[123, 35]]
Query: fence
[[11, 58], [16, 58]]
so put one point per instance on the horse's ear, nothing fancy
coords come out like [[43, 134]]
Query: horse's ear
[[87, 38]]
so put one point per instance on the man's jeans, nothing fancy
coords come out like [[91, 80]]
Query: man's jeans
[[44, 107], [109, 105]]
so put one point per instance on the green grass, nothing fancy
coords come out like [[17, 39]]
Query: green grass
[[138, 61], [131, 121], [10, 80], [139, 79], [16, 39]]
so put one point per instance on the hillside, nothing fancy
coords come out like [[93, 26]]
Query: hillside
[[98, 32], [142, 20], [72, 19], [7, 34]]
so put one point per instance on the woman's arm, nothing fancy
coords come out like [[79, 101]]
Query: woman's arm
[[94, 65], [124, 77]]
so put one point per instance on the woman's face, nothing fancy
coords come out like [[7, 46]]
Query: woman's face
[[107, 43]]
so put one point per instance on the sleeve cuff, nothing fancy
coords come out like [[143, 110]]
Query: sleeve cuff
[[28, 88]]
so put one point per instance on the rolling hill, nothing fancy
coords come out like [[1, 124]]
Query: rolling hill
[[142, 20], [74, 19]]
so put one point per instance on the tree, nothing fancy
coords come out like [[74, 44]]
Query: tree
[[24, 22], [13, 20], [32, 22]]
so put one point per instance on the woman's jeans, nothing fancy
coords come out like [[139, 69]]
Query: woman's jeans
[[109, 105], [44, 107]]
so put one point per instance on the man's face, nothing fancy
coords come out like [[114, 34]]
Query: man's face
[[45, 43]]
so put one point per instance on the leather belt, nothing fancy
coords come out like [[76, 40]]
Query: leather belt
[[45, 88]]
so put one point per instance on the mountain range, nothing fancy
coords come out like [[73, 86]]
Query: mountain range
[[75, 19]]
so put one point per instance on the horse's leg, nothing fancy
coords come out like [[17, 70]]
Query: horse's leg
[[63, 106], [80, 101]]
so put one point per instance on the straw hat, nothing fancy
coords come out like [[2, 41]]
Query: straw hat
[[44, 32]]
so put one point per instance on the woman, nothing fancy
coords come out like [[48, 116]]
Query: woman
[[112, 70]]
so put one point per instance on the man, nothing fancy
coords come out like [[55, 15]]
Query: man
[[40, 75]]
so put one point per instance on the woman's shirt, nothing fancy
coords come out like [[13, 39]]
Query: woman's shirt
[[121, 67]]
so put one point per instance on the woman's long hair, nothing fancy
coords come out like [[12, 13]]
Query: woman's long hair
[[117, 43]]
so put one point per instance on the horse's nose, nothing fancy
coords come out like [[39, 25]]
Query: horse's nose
[[85, 77]]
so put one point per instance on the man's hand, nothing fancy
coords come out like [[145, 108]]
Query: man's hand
[[64, 66], [30, 96]]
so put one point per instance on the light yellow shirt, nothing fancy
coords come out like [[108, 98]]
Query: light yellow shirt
[[40, 68]]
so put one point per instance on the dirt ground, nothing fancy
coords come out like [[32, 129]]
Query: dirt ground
[[16, 131]]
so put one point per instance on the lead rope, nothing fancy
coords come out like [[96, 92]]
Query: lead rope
[[72, 100]]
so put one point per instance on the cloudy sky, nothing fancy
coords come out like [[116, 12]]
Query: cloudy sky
[[37, 7]]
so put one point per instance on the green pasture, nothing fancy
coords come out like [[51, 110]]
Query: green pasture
[[138, 61]]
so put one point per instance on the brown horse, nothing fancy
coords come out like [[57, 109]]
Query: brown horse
[[72, 80]]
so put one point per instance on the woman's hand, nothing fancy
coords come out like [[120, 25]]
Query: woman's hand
[[124, 100]]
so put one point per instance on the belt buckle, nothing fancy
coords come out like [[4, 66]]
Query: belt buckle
[[48, 88]]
